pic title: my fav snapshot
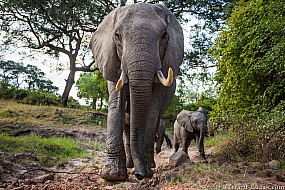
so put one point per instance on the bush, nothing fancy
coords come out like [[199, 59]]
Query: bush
[[259, 138], [73, 103], [41, 98], [20, 94]]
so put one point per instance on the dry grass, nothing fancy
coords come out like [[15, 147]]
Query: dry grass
[[13, 113]]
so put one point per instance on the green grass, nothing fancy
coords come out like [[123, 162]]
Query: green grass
[[59, 149], [216, 140], [15, 114]]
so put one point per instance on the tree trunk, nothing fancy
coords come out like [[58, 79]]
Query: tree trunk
[[69, 82]]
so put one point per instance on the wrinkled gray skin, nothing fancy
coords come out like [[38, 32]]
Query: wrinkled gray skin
[[189, 126], [136, 40], [159, 138]]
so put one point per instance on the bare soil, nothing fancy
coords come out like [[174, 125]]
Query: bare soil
[[218, 173]]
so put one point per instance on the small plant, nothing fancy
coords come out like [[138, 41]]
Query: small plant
[[97, 145], [121, 186], [57, 149], [216, 140]]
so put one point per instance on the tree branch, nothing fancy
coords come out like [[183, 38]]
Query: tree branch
[[87, 68]]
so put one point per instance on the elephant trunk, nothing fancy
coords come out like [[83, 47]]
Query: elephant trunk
[[140, 97], [141, 75], [203, 131]]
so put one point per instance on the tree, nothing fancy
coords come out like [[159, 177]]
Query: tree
[[63, 27], [16, 75], [250, 53], [205, 19], [54, 27], [10, 72], [93, 87]]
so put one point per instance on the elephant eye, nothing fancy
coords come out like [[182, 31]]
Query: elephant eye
[[164, 35]]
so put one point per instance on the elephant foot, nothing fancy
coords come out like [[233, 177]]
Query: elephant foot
[[150, 163], [130, 163], [140, 172], [113, 171]]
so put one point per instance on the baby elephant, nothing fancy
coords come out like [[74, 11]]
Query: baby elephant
[[190, 125]]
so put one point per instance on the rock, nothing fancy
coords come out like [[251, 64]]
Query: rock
[[274, 164], [178, 158]]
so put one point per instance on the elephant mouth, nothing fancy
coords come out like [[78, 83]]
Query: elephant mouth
[[164, 81]]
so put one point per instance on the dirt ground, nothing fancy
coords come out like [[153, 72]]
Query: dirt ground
[[84, 174]]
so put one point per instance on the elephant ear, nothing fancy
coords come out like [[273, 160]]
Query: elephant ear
[[174, 50], [184, 120], [104, 49]]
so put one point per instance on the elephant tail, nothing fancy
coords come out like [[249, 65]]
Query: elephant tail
[[168, 141]]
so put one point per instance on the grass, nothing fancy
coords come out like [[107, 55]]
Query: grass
[[216, 140], [59, 149], [15, 113]]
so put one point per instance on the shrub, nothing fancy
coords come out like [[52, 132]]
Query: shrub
[[41, 98], [259, 138]]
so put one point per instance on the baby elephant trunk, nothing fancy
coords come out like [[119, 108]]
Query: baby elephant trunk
[[203, 131]]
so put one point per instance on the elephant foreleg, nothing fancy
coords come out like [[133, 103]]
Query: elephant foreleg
[[115, 166]]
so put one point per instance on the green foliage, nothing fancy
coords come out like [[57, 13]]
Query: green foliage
[[59, 149], [216, 140], [251, 57], [73, 103], [93, 87], [250, 105], [41, 98], [97, 145], [173, 110]]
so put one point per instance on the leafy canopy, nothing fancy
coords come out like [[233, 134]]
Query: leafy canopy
[[251, 57], [93, 87], [17, 75]]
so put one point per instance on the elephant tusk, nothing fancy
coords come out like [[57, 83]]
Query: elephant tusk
[[119, 85], [169, 80], [120, 82]]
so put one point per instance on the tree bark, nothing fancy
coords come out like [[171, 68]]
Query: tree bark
[[69, 82]]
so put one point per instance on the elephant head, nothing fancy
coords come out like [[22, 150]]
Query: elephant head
[[137, 45], [193, 120]]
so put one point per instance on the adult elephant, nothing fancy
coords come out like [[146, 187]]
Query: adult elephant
[[135, 46], [191, 125]]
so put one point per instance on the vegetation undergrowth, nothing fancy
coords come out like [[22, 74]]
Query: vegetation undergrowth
[[250, 104], [216, 140], [58, 149], [14, 114]]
